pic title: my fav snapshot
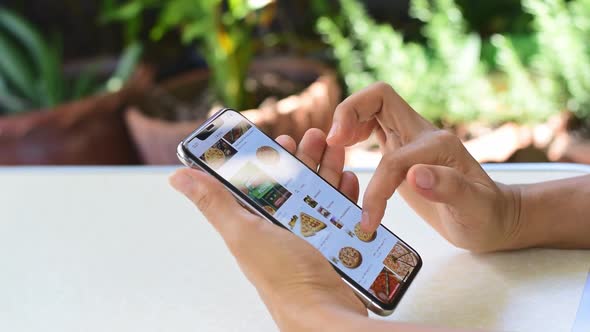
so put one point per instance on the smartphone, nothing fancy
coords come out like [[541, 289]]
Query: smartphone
[[273, 183]]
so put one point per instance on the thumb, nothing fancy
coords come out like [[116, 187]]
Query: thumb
[[442, 184], [216, 203]]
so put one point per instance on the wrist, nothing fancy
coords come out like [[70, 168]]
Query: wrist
[[525, 232], [311, 317], [308, 310], [512, 217]]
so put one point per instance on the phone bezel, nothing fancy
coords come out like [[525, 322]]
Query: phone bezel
[[383, 308]]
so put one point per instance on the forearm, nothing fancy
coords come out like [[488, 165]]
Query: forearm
[[555, 214]]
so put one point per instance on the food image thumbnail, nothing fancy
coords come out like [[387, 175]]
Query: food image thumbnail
[[310, 225], [385, 286], [293, 221], [218, 154], [324, 212], [267, 155], [261, 188], [336, 223], [238, 131], [310, 201], [364, 236], [350, 257], [401, 260]]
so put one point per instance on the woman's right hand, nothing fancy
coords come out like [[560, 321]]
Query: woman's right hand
[[432, 171]]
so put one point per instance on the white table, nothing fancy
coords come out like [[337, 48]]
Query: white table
[[116, 249]]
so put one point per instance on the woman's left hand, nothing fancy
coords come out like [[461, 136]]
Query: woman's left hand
[[293, 278]]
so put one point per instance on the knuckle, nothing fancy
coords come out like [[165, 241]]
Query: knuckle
[[445, 137], [203, 201], [316, 132], [342, 111], [457, 185], [383, 87], [204, 198]]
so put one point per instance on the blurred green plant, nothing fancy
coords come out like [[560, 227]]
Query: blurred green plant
[[447, 80], [224, 29], [562, 32], [444, 79], [31, 75]]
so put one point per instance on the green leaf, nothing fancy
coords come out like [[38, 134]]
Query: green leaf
[[15, 68], [29, 38], [125, 67], [195, 30], [84, 85], [468, 58], [9, 102], [45, 86], [127, 11], [52, 80]]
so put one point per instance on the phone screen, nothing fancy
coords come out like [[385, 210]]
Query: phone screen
[[301, 201]]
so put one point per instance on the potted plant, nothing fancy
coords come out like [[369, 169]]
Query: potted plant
[[54, 116], [498, 108], [284, 95]]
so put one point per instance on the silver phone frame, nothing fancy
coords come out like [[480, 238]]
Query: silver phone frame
[[185, 160]]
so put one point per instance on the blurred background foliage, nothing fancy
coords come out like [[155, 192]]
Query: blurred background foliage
[[455, 61], [224, 32], [491, 68], [31, 68]]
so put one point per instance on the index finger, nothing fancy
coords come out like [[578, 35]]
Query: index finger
[[376, 101], [392, 170]]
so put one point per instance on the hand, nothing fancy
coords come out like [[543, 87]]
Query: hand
[[291, 276], [432, 170]]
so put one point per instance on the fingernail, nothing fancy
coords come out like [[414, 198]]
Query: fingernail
[[333, 130], [424, 178], [365, 221], [182, 182]]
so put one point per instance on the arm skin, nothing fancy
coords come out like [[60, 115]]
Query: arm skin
[[555, 214]]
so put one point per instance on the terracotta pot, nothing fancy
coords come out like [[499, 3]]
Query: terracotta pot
[[569, 148], [156, 139], [499, 144], [486, 145], [82, 132], [570, 141]]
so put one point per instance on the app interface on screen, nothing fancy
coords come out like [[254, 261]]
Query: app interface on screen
[[306, 205]]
